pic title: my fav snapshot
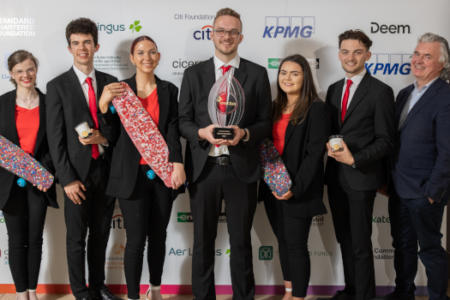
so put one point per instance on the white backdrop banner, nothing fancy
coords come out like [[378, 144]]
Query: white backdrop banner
[[181, 29]]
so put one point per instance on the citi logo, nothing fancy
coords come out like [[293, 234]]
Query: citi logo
[[289, 27], [203, 34], [117, 222], [389, 64]]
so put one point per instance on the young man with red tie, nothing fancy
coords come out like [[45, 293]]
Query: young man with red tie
[[362, 110], [82, 164]]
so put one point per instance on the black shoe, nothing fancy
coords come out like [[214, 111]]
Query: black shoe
[[103, 294], [397, 296], [340, 295]]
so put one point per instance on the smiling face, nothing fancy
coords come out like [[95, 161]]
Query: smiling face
[[145, 57], [425, 64], [82, 48], [290, 78], [24, 74], [226, 37], [353, 55]]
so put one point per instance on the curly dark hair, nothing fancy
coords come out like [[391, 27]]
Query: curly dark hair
[[84, 26]]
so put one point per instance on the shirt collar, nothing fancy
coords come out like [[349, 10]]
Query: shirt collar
[[234, 62], [357, 78], [81, 76], [425, 87]]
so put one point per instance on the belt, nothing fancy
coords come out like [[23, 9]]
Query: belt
[[223, 160]]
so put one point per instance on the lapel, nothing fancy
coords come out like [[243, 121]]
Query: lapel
[[401, 101], [41, 131], [429, 94], [10, 116], [241, 73], [73, 84], [208, 74], [359, 94], [289, 131], [336, 99], [163, 101]]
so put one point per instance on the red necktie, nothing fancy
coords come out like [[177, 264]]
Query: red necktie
[[93, 111], [225, 69], [345, 99]]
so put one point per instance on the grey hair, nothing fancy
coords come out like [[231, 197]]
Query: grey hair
[[445, 52]]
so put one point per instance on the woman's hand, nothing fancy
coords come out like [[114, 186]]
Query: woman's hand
[[178, 175], [285, 196], [109, 92]]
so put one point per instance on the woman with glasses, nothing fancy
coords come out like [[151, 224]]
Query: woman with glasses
[[300, 130], [22, 121], [146, 203]]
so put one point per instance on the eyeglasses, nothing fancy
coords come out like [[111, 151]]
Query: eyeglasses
[[220, 32]]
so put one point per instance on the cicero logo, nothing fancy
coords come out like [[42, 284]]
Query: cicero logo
[[203, 34], [289, 27], [389, 64]]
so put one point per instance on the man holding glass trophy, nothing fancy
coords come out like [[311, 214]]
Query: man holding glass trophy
[[225, 111]]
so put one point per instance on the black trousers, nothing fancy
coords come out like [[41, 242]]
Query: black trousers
[[352, 219], [25, 217], [217, 183], [417, 222], [146, 215], [292, 235], [93, 216]]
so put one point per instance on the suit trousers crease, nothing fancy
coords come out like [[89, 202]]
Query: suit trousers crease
[[214, 184], [146, 215], [24, 215], [93, 219], [416, 222], [352, 218]]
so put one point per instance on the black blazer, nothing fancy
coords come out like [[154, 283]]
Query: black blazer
[[193, 112], [125, 157], [368, 130], [66, 108], [422, 156], [9, 131], [303, 156]]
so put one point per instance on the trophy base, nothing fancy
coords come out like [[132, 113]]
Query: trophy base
[[224, 133]]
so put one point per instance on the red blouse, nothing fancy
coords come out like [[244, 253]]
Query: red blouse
[[27, 124], [151, 105], [279, 132]]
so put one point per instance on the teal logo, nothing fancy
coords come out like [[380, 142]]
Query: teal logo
[[273, 63], [135, 26], [266, 253], [184, 217]]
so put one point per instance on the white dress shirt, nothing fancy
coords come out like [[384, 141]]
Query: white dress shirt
[[356, 81]]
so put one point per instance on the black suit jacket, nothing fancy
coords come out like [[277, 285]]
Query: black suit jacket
[[66, 108], [368, 130], [125, 157], [303, 156], [422, 156], [193, 113], [8, 130]]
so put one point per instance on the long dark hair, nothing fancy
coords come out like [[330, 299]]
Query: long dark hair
[[307, 95]]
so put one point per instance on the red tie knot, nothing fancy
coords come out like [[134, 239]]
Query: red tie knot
[[225, 69], [349, 82]]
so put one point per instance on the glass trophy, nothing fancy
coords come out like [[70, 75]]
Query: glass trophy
[[226, 103]]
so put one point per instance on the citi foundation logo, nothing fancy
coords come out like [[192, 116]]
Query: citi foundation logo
[[265, 253], [389, 64], [289, 27], [203, 34]]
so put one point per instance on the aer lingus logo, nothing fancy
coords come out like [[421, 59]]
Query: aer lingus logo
[[136, 26]]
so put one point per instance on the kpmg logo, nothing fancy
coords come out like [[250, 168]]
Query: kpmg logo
[[203, 34], [289, 27], [389, 64], [265, 253], [135, 26]]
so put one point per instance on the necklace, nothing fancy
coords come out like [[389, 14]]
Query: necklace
[[29, 102]]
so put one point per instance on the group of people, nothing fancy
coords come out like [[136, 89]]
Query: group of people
[[399, 148]]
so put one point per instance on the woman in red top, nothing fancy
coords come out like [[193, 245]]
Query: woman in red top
[[22, 121], [146, 204], [301, 128]]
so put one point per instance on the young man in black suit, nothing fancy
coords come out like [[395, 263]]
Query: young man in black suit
[[362, 110], [223, 169], [82, 164]]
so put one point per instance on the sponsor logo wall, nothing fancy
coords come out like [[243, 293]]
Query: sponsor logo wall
[[182, 31]]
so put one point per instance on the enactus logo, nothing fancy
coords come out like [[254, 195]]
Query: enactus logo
[[135, 26]]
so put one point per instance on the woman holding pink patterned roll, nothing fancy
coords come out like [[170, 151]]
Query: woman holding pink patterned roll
[[22, 121], [146, 203], [300, 130]]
